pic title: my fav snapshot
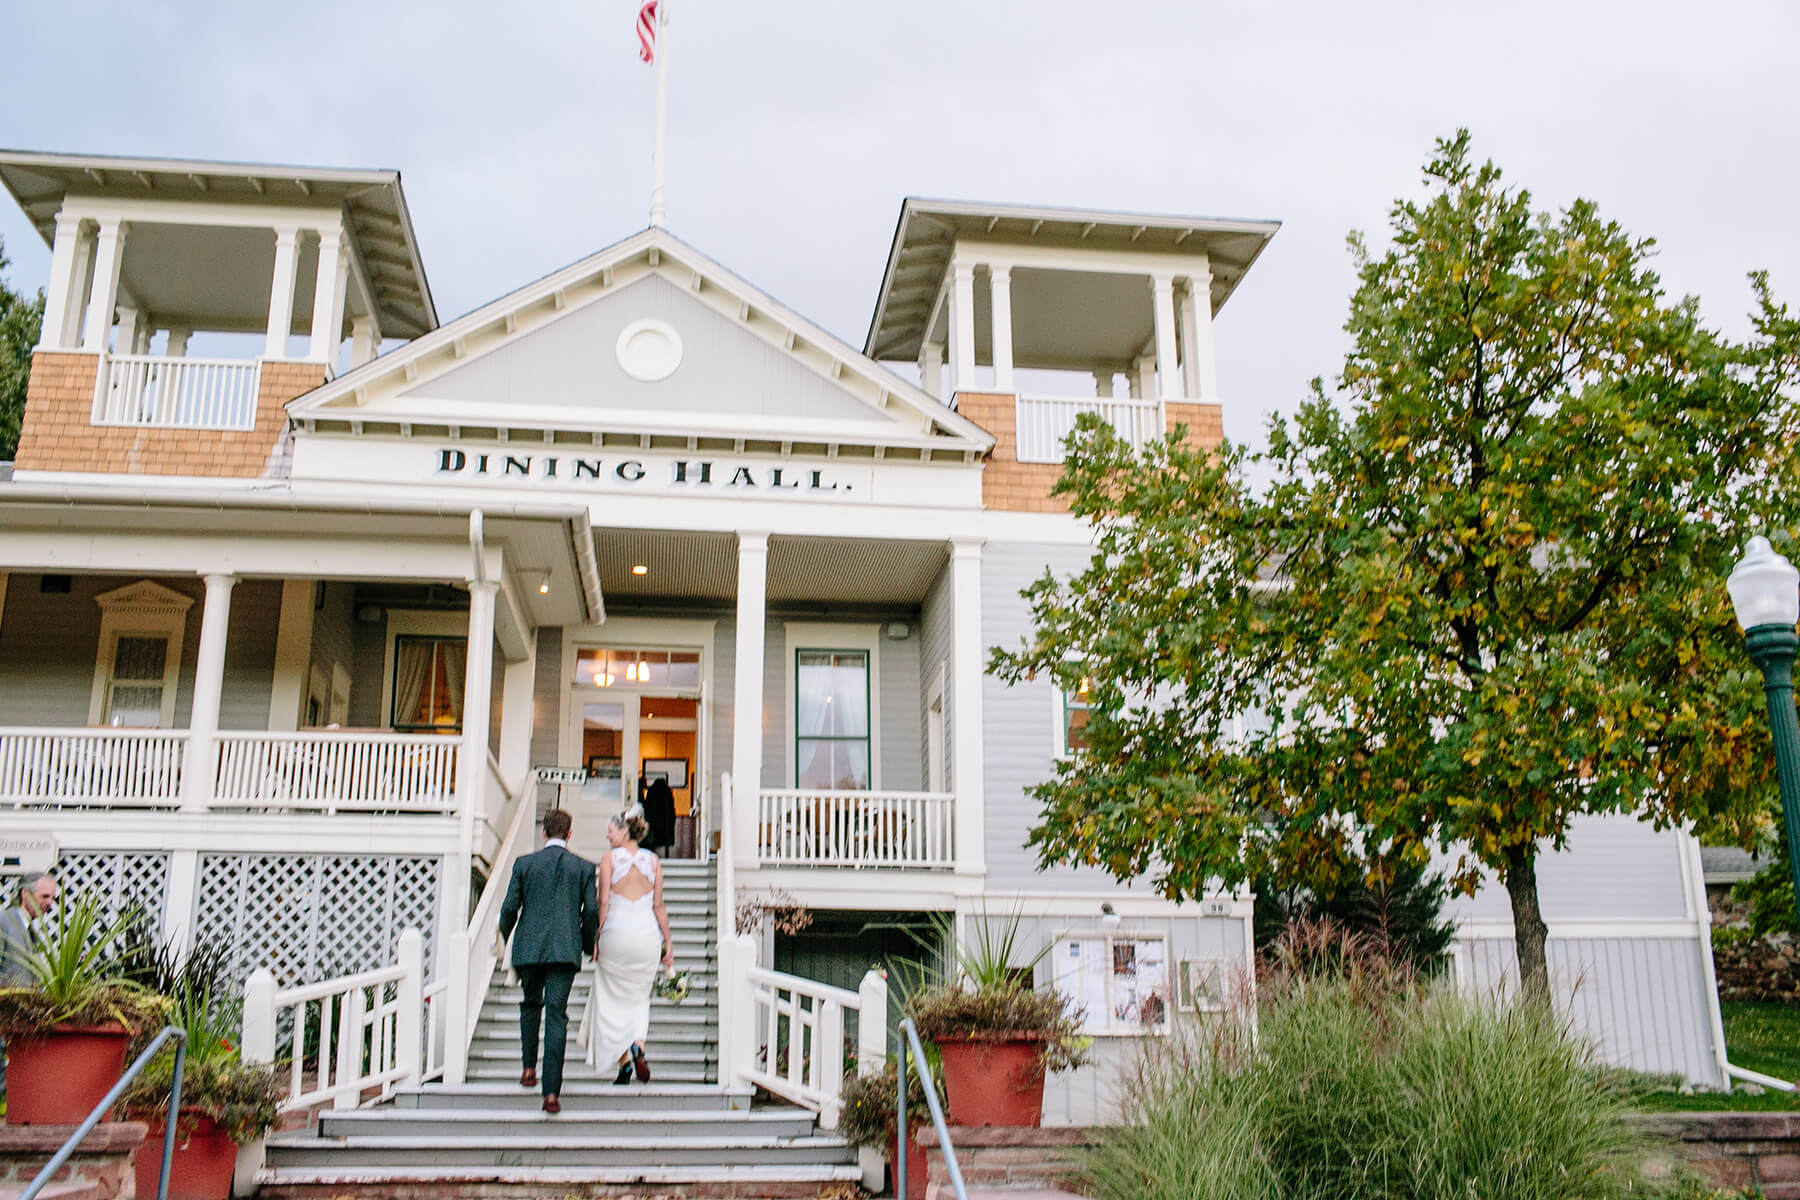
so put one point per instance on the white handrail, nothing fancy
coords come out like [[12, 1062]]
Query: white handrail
[[370, 1029], [827, 828], [157, 392], [79, 768], [1042, 423], [801, 1023], [336, 771], [468, 961]]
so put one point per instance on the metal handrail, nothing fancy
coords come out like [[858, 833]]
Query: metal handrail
[[118, 1089], [937, 1117]]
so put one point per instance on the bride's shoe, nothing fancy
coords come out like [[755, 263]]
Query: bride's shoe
[[642, 1063], [624, 1076]]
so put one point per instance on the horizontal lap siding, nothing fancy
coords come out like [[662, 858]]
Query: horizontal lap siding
[[723, 698], [937, 646], [47, 649], [366, 683], [249, 653], [334, 636], [546, 711], [1019, 723], [902, 724], [1614, 867], [1641, 1002]]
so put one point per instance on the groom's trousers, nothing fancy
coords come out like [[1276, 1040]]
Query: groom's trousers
[[546, 987]]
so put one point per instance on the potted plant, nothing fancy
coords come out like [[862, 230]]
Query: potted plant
[[996, 1036], [868, 1120], [68, 1030], [225, 1102]]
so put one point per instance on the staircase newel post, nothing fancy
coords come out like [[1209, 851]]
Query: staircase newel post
[[410, 1026], [871, 1055], [456, 1008], [346, 1091], [737, 1010], [257, 1046], [828, 1063]]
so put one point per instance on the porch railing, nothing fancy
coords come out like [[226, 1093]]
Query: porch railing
[[348, 1037], [77, 768], [337, 772], [153, 391], [1043, 422], [811, 828]]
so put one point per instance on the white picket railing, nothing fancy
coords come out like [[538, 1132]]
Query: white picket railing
[[80, 768], [156, 392], [790, 1035], [369, 1029], [1043, 422], [467, 961], [337, 772], [815, 828]]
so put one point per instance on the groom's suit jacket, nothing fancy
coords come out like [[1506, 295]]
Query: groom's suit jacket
[[551, 899]]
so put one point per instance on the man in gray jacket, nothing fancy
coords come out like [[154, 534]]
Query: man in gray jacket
[[34, 897], [552, 901]]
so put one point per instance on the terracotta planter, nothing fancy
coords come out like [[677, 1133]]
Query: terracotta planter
[[993, 1080], [205, 1158], [918, 1169], [57, 1077]]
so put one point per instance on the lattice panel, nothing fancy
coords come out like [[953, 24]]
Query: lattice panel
[[119, 879], [311, 917]]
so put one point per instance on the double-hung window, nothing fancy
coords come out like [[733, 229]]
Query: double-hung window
[[139, 659], [831, 720], [1072, 712], [428, 683]]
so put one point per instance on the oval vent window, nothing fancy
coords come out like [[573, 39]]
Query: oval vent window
[[649, 350]]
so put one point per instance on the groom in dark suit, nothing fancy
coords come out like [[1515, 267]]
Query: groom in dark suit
[[551, 899]]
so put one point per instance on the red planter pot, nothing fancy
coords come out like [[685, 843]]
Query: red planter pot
[[993, 1081], [57, 1076], [205, 1158], [918, 1177]]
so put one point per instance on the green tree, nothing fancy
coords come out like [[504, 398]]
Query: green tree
[[20, 319], [1479, 592]]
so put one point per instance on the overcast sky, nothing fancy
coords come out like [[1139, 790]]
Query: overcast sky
[[522, 129]]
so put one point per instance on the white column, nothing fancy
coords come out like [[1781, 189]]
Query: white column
[[178, 341], [178, 902], [968, 658], [281, 292], [962, 328], [328, 295], [109, 254], [1168, 379], [1184, 325], [1000, 304], [1200, 338], [1103, 384], [1142, 377], [365, 340], [131, 329], [747, 700], [70, 252], [209, 685], [931, 369], [471, 755], [293, 655], [516, 685]]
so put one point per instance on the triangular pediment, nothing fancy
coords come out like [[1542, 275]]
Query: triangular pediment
[[145, 596], [646, 338]]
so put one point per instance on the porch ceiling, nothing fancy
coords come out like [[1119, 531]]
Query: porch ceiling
[[703, 566]]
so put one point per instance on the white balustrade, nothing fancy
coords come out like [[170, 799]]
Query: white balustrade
[[366, 1030], [816, 828], [89, 768], [1044, 422], [333, 771], [156, 392], [803, 1051]]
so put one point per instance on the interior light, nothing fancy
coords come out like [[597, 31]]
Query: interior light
[[640, 569], [544, 588]]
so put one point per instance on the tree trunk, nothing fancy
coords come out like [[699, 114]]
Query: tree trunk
[[1529, 931]]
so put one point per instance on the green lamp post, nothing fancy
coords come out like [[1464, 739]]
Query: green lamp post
[[1765, 592]]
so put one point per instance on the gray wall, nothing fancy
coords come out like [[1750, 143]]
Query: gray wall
[[896, 683], [937, 644], [368, 660], [546, 712], [48, 644], [334, 635], [1613, 867]]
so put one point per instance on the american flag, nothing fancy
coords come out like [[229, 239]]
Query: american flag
[[646, 31]]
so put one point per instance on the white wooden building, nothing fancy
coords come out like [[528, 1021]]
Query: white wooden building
[[300, 587]]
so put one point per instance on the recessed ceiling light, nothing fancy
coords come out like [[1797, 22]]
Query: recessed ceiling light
[[544, 588], [640, 569]]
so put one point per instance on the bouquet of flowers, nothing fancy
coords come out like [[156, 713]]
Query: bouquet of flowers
[[672, 986]]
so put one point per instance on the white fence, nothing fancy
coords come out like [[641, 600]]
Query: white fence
[[788, 1035], [337, 772], [77, 768], [809, 828], [359, 1034], [1043, 422], [155, 392]]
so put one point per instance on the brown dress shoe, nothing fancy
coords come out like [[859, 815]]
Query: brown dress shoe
[[528, 1078], [551, 1104]]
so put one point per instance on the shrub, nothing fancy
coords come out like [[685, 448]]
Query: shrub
[[869, 1104], [1359, 1088], [240, 1098], [75, 981]]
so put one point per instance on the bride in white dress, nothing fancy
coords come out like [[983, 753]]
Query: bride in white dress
[[634, 941]]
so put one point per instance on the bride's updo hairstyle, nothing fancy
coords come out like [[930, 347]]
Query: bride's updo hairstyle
[[633, 823]]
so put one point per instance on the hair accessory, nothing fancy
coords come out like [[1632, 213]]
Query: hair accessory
[[636, 810]]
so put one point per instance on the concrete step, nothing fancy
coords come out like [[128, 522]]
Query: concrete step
[[660, 1056], [516, 1183], [577, 1097], [504, 1023], [785, 1122], [548, 1148]]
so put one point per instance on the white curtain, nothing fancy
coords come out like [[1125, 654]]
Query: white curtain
[[412, 671], [455, 655]]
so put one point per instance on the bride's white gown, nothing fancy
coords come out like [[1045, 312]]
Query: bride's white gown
[[630, 951]]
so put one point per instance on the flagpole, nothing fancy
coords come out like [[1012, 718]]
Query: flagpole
[[662, 113]]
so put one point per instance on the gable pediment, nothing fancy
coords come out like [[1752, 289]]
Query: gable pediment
[[648, 338]]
